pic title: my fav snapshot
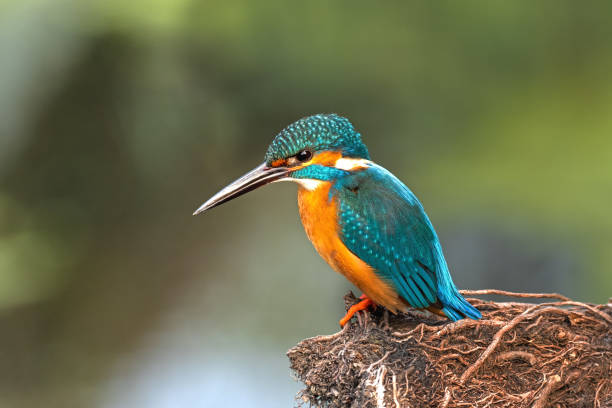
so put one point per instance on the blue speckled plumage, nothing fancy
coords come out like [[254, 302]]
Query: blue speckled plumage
[[384, 224], [319, 133]]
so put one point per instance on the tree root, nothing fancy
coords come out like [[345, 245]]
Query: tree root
[[554, 354]]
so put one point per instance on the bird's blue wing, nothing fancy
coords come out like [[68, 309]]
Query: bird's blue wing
[[383, 223]]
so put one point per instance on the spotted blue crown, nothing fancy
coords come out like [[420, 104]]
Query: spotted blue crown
[[318, 133]]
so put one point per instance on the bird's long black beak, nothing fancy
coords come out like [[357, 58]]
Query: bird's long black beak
[[256, 178]]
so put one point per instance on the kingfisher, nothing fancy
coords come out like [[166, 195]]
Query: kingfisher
[[362, 220]]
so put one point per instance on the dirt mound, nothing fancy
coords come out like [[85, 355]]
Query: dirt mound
[[555, 354]]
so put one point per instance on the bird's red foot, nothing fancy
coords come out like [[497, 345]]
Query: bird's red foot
[[365, 303]]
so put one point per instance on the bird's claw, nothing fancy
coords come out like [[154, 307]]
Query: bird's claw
[[364, 304]]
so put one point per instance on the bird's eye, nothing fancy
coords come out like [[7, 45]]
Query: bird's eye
[[303, 155]]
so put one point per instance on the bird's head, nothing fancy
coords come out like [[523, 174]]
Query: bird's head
[[313, 149]]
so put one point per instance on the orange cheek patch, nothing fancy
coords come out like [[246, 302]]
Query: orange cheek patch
[[279, 163], [323, 159], [326, 158]]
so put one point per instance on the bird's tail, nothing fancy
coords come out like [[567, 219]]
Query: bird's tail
[[460, 308], [454, 305], [454, 313]]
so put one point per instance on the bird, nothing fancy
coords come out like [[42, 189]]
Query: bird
[[362, 220]]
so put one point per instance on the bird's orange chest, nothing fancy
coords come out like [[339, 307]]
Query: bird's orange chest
[[320, 219], [319, 216]]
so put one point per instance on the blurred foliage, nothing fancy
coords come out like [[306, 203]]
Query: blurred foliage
[[117, 119]]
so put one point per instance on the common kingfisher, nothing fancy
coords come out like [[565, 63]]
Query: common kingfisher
[[361, 219]]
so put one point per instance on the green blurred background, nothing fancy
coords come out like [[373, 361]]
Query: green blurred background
[[119, 118]]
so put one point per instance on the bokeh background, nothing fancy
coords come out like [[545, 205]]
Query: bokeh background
[[119, 118]]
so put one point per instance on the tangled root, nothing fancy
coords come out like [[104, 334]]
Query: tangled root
[[554, 354]]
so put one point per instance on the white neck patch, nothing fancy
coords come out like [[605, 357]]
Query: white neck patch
[[348, 164], [308, 184]]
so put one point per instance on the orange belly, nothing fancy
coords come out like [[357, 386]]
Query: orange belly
[[320, 220]]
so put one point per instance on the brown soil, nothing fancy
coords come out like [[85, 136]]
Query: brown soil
[[555, 354]]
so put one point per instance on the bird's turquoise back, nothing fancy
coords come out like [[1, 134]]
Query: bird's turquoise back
[[384, 224]]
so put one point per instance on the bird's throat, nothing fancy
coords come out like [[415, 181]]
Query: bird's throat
[[309, 184]]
